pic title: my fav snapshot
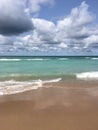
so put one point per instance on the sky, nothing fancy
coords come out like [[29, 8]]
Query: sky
[[48, 27]]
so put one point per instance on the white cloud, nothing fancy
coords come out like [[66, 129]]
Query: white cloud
[[75, 32], [78, 17], [35, 5], [62, 45], [43, 25], [74, 25], [91, 42], [45, 30], [6, 43], [3, 39]]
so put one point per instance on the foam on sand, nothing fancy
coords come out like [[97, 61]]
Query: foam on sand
[[12, 86], [52, 80]]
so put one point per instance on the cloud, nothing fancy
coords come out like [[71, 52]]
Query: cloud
[[35, 5], [75, 24], [45, 30], [15, 15], [13, 19], [6, 44], [91, 42], [62, 45], [77, 29], [3, 39], [75, 33]]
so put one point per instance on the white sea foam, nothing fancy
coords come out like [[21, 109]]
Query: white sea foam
[[95, 58], [63, 58], [88, 76], [15, 75], [87, 57], [53, 80], [10, 59], [12, 86], [35, 59]]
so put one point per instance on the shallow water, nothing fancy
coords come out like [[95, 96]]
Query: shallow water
[[19, 74]]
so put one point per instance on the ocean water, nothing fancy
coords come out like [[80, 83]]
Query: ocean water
[[19, 74]]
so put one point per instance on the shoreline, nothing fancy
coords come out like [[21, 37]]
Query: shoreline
[[12, 87]]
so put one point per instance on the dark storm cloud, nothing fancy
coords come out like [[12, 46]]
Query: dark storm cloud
[[13, 27], [13, 17], [79, 36]]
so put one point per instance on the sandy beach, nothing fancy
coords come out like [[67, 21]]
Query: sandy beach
[[48, 65], [50, 109]]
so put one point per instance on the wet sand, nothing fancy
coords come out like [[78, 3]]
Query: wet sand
[[51, 109]]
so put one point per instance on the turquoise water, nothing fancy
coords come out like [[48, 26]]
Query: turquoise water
[[19, 74], [47, 66]]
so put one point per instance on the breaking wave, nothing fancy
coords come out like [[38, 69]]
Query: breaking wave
[[95, 58], [10, 59], [35, 59], [63, 58], [88, 76], [12, 86], [32, 59]]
